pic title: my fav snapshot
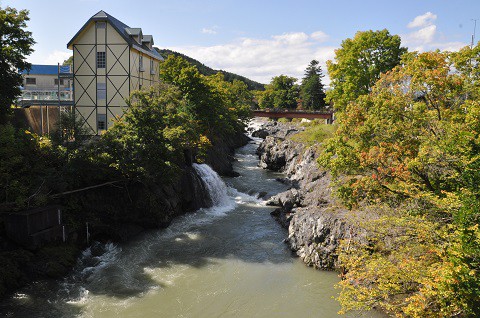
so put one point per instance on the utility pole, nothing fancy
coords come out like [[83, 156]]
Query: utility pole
[[473, 35]]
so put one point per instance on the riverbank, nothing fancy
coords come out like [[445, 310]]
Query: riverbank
[[315, 220], [228, 260], [115, 213]]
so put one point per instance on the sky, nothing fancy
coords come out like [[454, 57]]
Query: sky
[[258, 39]]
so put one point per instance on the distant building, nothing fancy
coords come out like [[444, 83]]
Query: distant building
[[43, 82], [110, 60]]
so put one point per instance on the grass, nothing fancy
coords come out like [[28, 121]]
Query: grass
[[315, 132]]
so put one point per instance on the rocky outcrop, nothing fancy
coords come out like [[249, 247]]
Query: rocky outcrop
[[315, 223], [128, 209], [221, 155]]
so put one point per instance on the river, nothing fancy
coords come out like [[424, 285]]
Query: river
[[226, 261]]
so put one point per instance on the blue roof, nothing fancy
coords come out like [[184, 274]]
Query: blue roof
[[42, 70]]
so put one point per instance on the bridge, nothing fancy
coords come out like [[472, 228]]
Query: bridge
[[294, 113]]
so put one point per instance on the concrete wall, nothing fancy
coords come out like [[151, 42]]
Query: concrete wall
[[31, 118]]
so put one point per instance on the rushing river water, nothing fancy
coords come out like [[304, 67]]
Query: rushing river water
[[226, 261]]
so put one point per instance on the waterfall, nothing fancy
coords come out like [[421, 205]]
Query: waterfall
[[216, 188]]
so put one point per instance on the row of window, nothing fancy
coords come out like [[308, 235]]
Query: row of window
[[33, 81], [101, 62]]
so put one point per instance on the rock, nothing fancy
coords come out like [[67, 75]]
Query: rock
[[220, 155], [262, 133], [282, 216], [315, 233], [262, 194], [315, 225], [288, 199]]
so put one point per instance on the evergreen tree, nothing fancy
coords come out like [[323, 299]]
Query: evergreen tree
[[312, 90]]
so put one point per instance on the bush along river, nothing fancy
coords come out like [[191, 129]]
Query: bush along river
[[226, 261]]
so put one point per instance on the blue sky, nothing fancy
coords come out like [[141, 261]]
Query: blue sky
[[258, 39]]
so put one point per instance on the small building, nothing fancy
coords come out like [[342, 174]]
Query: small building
[[110, 60], [45, 82]]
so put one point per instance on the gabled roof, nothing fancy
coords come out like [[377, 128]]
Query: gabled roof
[[147, 38], [37, 69], [133, 31], [124, 30]]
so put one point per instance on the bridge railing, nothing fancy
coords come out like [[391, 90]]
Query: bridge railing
[[300, 111]]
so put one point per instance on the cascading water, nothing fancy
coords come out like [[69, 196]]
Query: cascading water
[[205, 264], [216, 188]]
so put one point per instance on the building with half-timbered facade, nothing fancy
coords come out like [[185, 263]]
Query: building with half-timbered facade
[[110, 60]]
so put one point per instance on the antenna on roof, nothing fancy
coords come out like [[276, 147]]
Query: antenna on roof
[[474, 29]]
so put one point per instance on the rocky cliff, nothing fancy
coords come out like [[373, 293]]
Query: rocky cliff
[[316, 224], [125, 210]]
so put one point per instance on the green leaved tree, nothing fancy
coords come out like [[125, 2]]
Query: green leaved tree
[[312, 90], [15, 44], [359, 63], [282, 92]]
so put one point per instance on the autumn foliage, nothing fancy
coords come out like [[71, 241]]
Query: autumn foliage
[[407, 160]]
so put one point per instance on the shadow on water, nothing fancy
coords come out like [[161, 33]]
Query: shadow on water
[[240, 229]]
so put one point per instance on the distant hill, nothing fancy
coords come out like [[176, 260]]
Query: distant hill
[[205, 70]]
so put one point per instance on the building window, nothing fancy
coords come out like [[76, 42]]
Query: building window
[[31, 81], [101, 59], [61, 81], [101, 91], [140, 63], [152, 69], [101, 122], [101, 25]]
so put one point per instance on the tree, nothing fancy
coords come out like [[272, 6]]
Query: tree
[[68, 61], [410, 152], [359, 63], [312, 90], [209, 99], [15, 44], [282, 92], [148, 142]]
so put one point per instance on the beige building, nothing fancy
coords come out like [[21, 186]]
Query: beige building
[[46, 82], [110, 60]]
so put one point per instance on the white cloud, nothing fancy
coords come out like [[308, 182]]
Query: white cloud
[[319, 36], [422, 20], [450, 46], [291, 38], [261, 59], [423, 36], [49, 58], [427, 37], [212, 30]]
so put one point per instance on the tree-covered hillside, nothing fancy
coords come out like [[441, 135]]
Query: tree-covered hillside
[[205, 70]]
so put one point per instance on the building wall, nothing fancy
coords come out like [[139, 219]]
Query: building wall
[[121, 75], [43, 82], [145, 76]]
